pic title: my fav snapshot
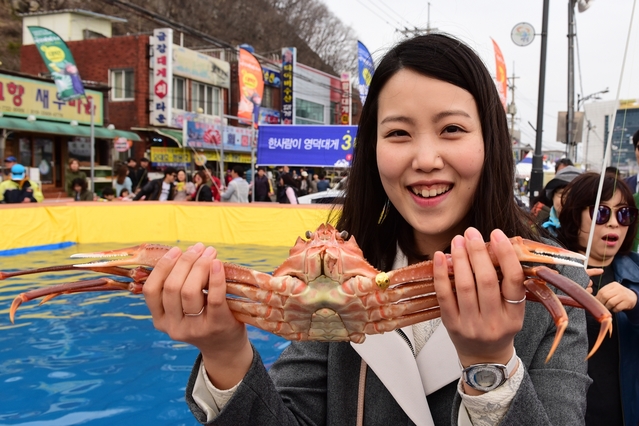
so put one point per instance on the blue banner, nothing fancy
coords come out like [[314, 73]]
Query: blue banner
[[366, 70], [322, 146]]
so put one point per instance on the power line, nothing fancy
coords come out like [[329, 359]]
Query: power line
[[396, 14], [376, 14]]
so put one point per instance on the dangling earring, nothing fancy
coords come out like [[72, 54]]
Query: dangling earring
[[384, 212]]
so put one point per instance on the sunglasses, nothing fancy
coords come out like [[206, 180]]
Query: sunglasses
[[626, 216]]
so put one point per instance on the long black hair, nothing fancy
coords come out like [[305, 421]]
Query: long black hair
[[444, 58]]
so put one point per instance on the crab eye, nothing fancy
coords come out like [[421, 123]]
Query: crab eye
[[343, 235], [309, 234]]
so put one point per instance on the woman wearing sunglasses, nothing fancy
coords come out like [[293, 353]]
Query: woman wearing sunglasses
[[613, 398]]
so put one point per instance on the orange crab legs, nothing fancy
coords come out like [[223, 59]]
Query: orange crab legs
[[325, 290]]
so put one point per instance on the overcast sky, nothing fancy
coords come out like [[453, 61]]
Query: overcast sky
[[602, 31]]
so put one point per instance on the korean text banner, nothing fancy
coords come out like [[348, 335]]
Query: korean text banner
[[500, 74], [366, 70], [22, 97], [251, 80], [289, 58], [59, 60], [322, 146]]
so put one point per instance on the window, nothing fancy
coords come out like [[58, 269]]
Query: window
[[206, 97], [307, 112], [122, 87], [179, 93], [268, 98]]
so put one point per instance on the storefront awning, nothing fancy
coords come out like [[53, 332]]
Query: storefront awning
[[173, 134], [50, 127]]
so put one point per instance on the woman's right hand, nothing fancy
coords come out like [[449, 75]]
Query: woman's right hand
[[175, 289]]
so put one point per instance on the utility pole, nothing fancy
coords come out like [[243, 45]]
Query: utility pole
[[537, 173], [512, 108], [571, 146], [412, 32]]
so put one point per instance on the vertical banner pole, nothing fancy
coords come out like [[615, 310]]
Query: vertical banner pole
[[92, 144]]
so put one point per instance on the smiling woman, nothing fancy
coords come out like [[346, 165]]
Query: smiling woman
[[432, 172]]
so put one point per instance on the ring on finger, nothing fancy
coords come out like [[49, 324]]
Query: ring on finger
[[514, 302], [194, 315]]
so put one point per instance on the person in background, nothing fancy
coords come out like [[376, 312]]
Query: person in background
[[122, 180], [262, 186], [303, 182], [612, 171], [183, 187], [108, 194], [142, 175], [162, 189], [613, 397], [237, 189], [19, 189], [632, 181], [216, 186], [554, 191], [561, 163], [125, 195], [202, 190], [80, 191], [9, 162], [73, 172], [313, 185], [342, 183], [322, 184], [432, 122], [132, 165]]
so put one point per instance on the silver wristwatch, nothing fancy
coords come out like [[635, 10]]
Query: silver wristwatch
[[487, 377]]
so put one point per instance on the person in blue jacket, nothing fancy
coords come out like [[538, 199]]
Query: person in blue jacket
[[613, 398]]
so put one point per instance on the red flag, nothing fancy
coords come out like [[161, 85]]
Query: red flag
[[500, 74]]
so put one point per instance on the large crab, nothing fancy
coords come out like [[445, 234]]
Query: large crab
[[327, 291]]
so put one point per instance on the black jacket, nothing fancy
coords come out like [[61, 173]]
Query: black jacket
[[152, 191]]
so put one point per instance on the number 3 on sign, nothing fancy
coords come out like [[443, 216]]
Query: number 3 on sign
[[347, 142]]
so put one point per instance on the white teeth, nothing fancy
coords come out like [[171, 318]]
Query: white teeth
[[427, 193]]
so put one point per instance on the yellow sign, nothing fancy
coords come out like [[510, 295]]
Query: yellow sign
[[22, 97], [170, 155], [181, 156]]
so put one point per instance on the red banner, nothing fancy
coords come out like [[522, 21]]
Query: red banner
[[501, 75], [251, 81]]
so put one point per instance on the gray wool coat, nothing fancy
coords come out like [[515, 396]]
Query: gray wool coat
[[316, 383]]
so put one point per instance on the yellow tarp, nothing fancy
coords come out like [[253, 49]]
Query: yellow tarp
[[135, 222]]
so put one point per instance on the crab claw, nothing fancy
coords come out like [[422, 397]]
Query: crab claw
[[535, 252]]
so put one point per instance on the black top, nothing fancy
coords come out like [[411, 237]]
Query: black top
[[604, 394]]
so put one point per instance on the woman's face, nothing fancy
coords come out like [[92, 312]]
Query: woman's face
[[608, 237], [74, 166], [181, 176], [197, 179], [430, 154]]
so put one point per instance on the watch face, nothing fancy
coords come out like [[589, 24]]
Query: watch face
[[485, 377]]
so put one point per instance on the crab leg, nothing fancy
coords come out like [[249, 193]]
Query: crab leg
[[581, 296], [48, 293]]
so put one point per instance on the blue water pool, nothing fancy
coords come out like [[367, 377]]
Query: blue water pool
[[95, 359]]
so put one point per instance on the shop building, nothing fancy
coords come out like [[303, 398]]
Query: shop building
[[154, 86]]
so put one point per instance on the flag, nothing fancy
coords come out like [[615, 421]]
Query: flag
[[366, 70], [59, 60], [500, 75], [251, 81]]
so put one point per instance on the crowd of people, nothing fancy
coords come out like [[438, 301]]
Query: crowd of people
[[131, 183]]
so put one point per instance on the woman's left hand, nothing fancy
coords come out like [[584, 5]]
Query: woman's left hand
[[481, 324], [616, 297]]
